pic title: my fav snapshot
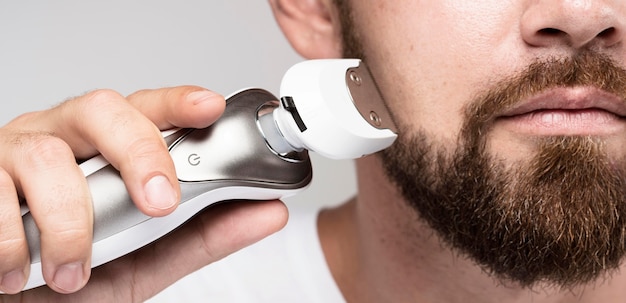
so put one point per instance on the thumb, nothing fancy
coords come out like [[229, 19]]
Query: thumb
[[214, 234]]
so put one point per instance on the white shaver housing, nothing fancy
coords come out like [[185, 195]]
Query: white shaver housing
[[334, 108]]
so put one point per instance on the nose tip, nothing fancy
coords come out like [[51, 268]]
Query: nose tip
[[574, 24]]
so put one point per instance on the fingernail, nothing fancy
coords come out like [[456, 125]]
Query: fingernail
[[201, 96], [159, 193], [69, 277], [13, 281]]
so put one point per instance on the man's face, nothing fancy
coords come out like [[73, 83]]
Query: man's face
[[513, 128]]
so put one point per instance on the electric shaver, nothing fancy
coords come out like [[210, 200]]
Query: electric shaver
[[257, 150]]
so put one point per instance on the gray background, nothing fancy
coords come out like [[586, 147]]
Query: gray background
[[53, 50]]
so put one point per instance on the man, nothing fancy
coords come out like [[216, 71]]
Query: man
[[505, 185]]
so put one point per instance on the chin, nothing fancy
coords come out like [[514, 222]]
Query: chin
[[550, 212]]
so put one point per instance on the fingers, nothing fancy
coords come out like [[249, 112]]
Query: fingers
[[43, 168], [62, 211], [124, 132], [186, 106], [105, 122], [15, 264], [38, 153], [151, 176], [215, 233]]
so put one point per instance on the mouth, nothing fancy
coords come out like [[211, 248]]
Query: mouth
[[567, 111]]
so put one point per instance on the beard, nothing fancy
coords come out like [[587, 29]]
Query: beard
[[556, 218]]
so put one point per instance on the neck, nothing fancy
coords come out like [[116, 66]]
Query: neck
[[379, 251]]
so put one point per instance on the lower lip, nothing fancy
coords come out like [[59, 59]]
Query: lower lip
[[565, 122]]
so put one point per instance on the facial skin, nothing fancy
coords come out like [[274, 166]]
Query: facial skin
[[512, 127]]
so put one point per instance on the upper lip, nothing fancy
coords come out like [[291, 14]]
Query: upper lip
[[576, 98]]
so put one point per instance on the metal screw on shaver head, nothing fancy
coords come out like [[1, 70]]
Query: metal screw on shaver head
[[375, 118], [355, 78]]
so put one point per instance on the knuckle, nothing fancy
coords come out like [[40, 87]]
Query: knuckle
[[68, 233], [179, 92], [108, 109], [7, 187], [102, 96], [13, 246], [11, 227], [206, 230], [68, 218], [46, 151], [23, 119], [12, 251], [146, 147], [93, 103], [140, 92], [189, 87], [205, 241]]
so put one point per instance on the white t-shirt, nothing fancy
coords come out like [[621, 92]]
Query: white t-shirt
[[288, 266]]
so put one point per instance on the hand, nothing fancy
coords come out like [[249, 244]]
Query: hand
[[210, 236], [38, 153]]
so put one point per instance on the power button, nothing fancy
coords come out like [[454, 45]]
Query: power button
[[198, 156], [194, 159]]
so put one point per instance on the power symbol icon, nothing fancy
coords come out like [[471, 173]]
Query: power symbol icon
[[194, 159]]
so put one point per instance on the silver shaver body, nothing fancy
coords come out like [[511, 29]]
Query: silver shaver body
[[229, 160]]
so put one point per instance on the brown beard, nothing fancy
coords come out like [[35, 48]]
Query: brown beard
[[558, 218]]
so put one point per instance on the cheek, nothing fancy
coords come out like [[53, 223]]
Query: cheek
[[432, 57]]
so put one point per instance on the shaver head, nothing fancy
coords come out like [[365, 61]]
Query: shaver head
[[333, 107]]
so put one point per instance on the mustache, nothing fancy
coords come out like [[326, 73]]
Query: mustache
[[583, 69]]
